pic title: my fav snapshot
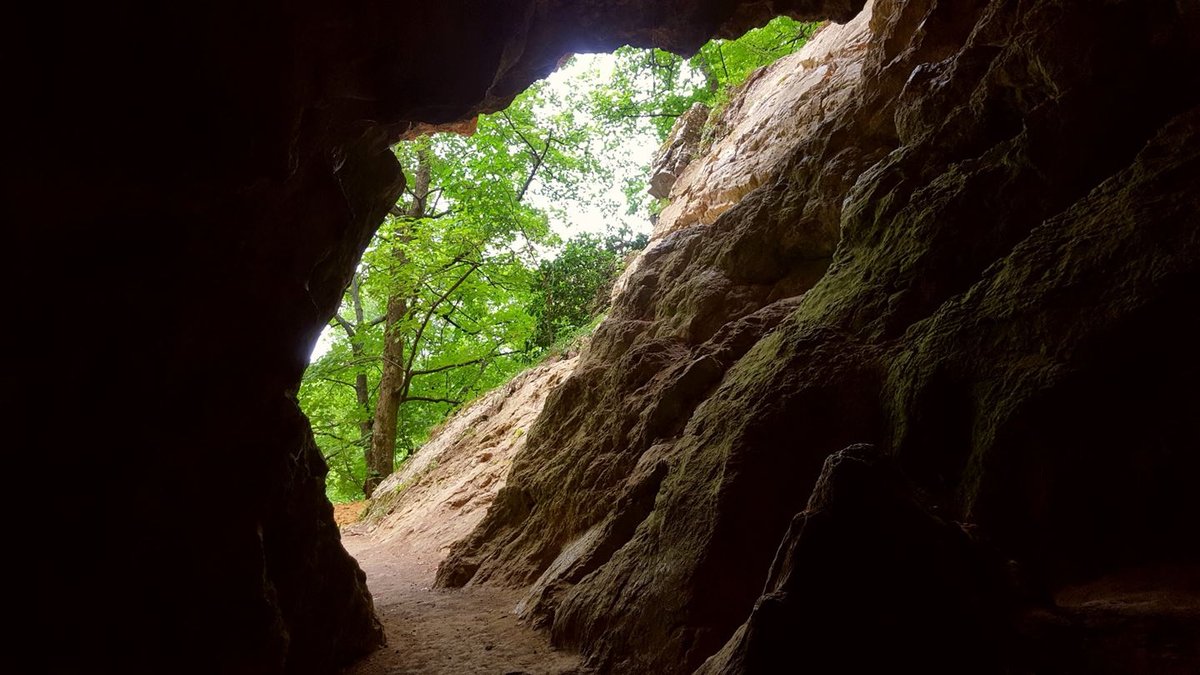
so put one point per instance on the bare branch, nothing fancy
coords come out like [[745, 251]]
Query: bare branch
[[464, 364], [402, 215], [346, 325], [433, 309], [539, 157], [628, 116], [532, 147], [416, 343], [721, 53], [348, 441], [337, 381], [447, 318], [536, 166], [431, 400]]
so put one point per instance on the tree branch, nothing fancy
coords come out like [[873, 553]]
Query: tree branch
[[402, 214], [512, 124], [346, 326], [452, 322], [536, 166], [539, 157], [433, 309], [464, 364], [431, 400], [337, 381], [641, 115], [416, 343], [721, 53], [493, 283], [357, 441]]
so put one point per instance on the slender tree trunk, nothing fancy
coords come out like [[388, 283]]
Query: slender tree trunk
[[362, 388], [362, 392], [381, 454]]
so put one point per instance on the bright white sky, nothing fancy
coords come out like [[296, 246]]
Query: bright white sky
[[638, 150], [572, 218]]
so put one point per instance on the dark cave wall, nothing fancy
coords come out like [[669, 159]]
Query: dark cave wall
[[187, 190]]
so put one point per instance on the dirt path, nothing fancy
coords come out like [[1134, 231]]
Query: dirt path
[[460, 631]]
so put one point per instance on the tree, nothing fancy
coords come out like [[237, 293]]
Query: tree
[[396, 375], [576, 286], [447, 280], [645, 91], [656, 87]]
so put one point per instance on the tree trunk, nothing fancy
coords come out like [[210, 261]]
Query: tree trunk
[[381, 454], [362, 388], [362, 392]]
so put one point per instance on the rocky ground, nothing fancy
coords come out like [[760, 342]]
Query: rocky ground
[[431, 631]]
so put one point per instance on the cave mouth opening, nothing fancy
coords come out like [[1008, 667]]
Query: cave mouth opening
[[490, 271], [506, 244]]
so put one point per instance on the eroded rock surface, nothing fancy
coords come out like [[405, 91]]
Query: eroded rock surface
[[678, 151], [979, 253], [777, 109], [867, 559]]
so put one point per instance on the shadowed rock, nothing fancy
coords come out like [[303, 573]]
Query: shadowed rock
[[867, 579]]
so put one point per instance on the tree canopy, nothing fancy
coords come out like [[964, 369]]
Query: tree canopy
[[655, 86], [455, 293]]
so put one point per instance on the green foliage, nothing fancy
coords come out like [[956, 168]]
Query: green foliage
[[647, 90], [573, 341], [730, 62], [657, 87], [328, 399], [575, 286], [468, 271]]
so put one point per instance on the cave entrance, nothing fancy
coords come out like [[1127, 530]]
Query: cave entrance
[[510, 234], [473, 300]]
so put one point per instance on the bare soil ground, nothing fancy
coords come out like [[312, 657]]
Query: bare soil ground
[[431, 631], [348, 513]]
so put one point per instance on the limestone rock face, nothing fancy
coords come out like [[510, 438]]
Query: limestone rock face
[[776, 110], [201, 179], [977, 250], [677, 152]]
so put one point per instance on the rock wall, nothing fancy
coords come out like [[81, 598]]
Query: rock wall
[[187, 189], [777, 109], [976, 250]]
